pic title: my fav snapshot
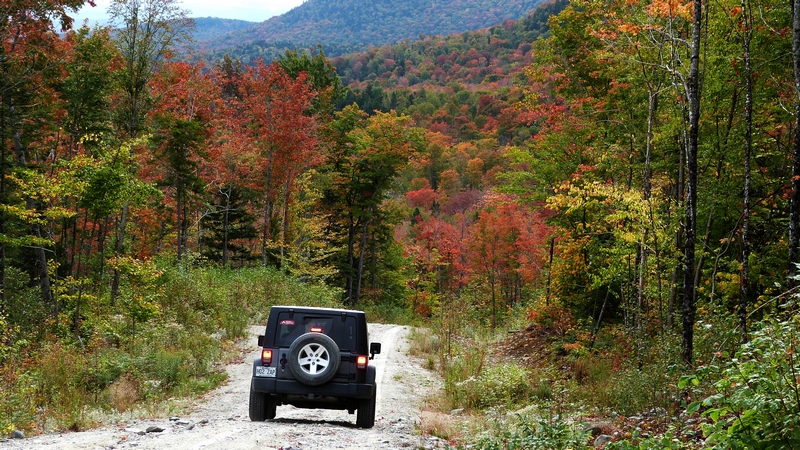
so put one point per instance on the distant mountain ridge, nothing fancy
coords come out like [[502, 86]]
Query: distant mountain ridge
[[354, 25]]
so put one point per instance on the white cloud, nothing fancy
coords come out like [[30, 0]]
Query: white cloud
[[252, 10]]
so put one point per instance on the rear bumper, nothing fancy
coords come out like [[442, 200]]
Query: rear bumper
[[332, 389], [282, 386]]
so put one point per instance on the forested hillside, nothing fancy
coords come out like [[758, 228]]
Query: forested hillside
[[479, 57], [210, 27], [616, 184], [345, 26]]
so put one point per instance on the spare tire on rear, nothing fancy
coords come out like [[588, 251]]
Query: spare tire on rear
[[314, 359]]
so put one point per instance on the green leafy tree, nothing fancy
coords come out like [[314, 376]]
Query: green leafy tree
[[146, 32], [88, 87], [87, 91], [228, 228], [321, 75], [312, 251], [106, 186], [366, 154], [754, 403]]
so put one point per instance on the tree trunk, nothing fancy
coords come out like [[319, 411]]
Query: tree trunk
[[40, 256], [3, 134], [225, 228], [748, 147], [285, 214], [351, 238], [374, 260], [120, 248], [361, 252], [794, 213], [549, 272], [179, 213], [693, 96], [652, 109], [679, 195], [494, 300], [268, 189], [267, 211]]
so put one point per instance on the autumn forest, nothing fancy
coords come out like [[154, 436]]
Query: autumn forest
[[623, 175]]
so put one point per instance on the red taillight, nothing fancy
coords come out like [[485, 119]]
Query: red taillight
[[361, 362], [316, 329], [266, 357]]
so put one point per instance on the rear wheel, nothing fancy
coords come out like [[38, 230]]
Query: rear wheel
[[365, 418], [258, 406], [271, 408]]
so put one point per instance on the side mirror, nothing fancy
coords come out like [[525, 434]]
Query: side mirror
[[261, 341], [374, 349]]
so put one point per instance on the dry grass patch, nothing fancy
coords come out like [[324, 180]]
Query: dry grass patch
[[123, 394], [441, 425], [423, 343]]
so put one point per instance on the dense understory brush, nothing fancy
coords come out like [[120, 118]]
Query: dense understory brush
[[506, 385], [577, 375], [754, 400]]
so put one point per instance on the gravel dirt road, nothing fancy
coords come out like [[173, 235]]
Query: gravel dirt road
[[220, 420]]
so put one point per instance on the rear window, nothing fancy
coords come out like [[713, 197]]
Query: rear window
[[343, 332]]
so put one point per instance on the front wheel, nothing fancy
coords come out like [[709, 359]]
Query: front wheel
[[366, 411]]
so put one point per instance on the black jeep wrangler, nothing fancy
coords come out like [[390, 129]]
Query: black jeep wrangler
[[314, 358]]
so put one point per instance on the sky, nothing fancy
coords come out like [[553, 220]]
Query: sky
[[251, 10]]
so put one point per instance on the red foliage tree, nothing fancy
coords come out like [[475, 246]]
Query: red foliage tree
[[276, 123], [506, 250]]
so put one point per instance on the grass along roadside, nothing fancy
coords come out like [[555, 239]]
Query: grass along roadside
[[524, 390], [165, 341]]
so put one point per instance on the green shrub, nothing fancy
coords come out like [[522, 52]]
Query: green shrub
[[666, 441], [424, 343], [104, 367], [456, 370], [23, 305], [530, 433], [542, 388], [59, 379], [756, 403], [633, 390], [18, 409], [388, 313], [501, 385], [630, 388]]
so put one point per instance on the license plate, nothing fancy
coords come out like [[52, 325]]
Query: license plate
[[269, 372]]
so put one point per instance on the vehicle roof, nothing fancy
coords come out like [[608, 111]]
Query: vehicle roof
[[315, 309]]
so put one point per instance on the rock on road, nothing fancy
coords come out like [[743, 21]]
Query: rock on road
[[220, 420]]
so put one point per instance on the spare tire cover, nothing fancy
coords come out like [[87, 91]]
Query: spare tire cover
[[314, 359]]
